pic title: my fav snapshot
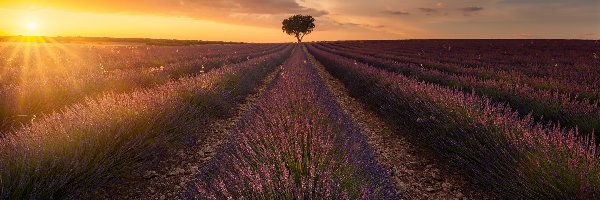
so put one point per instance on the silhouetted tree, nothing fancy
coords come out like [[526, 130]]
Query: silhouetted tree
[[298, 26]]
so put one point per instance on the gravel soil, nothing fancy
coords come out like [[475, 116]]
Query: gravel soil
[[415, 172]]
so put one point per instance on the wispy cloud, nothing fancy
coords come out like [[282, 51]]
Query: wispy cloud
[[428, 10], [396, 12], [590, 35], [217, 10], [524, 36], [470, 10], [363, 25]]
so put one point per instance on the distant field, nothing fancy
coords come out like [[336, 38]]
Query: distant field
[[109, 40], [558, 81], [41, 78], [520, 117]]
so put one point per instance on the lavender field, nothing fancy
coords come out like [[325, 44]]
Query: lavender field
[[406, 119]]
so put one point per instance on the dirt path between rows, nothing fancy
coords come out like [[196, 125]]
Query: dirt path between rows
[[414, 172], [168, 178]]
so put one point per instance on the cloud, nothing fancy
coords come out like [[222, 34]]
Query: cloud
[[428, 10], [362, 25], [396, 12], [590, 35], [218, 10], [524, 36], [571, 2], [409, 18], [347, 23], [471, 9], [273, 7]]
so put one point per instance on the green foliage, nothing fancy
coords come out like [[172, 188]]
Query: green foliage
[[298, 26]]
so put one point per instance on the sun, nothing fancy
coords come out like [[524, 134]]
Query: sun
[[32, 26]]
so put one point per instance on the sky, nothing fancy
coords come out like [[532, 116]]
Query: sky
[[260, 20]]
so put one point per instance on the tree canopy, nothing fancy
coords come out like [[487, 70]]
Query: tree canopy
[[298, 26]]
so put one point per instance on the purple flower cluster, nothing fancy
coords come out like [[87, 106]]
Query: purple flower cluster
[[570, 66], [89, 143], [296, 143], [512, 155], [493, 64], [41, 78], [512, 87]]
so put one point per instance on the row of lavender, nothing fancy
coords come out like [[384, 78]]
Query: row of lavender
[[546, 105], [89, 143], [52, 88], [24, 62], [535, 71], [572, 61], [295, 144], [512, 155]]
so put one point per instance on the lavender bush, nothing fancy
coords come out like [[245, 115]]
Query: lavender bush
[[49, 83], [575, 78], [512, 155], [544, 104], [570, 63], [295, 144], [90, 143]]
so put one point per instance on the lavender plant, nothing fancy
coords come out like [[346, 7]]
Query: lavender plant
[[88, 144], [514, 156], [64, 79], [582, 87], [569, 62], [295, 144], [544, 104]]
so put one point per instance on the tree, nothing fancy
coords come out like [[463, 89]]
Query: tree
[[298, 26]]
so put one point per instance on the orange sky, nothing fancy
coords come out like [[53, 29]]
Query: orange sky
[[259, 20]]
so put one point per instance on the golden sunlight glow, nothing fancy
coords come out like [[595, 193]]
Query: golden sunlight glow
[[256, 21], [28, 23], [32, 26], [57, 22], [53, 21]]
